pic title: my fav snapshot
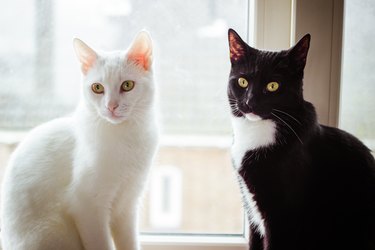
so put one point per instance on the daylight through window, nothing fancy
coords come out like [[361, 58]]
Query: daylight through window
[[192, 187]]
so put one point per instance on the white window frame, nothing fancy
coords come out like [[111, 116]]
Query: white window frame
[[278, 24], [161, 198]]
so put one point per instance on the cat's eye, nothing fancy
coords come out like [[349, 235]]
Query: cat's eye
[[243, 82], [127, 85], [97, 88], [272, 86]]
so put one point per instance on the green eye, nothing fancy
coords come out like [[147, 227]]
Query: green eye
[[243, 82], [127, 85], [272, 86], [97, 88]]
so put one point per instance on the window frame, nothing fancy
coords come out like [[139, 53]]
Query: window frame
[[276, 25], [323, 19]]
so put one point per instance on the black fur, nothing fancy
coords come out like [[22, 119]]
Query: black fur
[[315, 187]]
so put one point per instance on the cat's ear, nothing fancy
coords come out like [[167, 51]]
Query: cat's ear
[[140, 50], [299, 51], [237, 47], [86, 55]]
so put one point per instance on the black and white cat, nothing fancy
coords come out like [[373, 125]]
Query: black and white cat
[[305, 185]]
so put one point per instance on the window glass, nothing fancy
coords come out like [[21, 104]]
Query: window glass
[[358, 76], [192, 187]]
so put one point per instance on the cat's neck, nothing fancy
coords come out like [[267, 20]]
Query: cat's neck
[[294, 129]]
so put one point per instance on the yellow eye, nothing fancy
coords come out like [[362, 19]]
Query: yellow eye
[[127, 85], [243, 82], [272, 86], [97, 88]]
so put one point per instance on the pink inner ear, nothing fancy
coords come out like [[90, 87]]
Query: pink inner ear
[[87, 62], [85, 54], [85, 69], [140, 59], [236, 49], [140, 51]]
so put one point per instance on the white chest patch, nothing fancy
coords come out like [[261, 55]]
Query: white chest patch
[[252, 211], [249, 135]]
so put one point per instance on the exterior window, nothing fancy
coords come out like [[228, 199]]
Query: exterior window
[[192, 193], [192, 187], [357, 89]]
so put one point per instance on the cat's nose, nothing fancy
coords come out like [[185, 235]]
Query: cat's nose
[[248, 107], [112, 106]]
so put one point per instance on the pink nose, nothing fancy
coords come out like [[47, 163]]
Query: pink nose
[[112, 106]]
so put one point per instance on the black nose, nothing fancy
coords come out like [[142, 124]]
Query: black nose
[[250, 102], [250, 109], [247, 108]]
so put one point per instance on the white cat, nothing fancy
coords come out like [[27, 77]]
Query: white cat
[[75, 182]]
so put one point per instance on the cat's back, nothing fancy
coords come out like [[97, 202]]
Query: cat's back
[[346, 165], [35, 182], [51, 142], [343, 185], [343, 164], [41, 163], [342, 149]]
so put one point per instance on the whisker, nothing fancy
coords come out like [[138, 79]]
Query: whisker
[[247, 158], [231, 101], [237, 111], [244, 174], [288, 126], [234, 107], [257, 156], [285, 113]]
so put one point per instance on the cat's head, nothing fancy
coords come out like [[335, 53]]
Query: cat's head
[[117, 85], [262, 81]]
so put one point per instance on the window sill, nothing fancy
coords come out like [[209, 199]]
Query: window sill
[[11, 137], [169, 242]]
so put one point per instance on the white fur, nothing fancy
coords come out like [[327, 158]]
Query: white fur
[[252, 117], [251, 207], [75, 183], [251, 134]]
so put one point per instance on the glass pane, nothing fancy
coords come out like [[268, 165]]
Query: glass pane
[[358, 77], [192, 187]]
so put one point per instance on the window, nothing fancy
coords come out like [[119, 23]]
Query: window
[[192, 190], [357, 103], [165, 199], [192, 177]]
